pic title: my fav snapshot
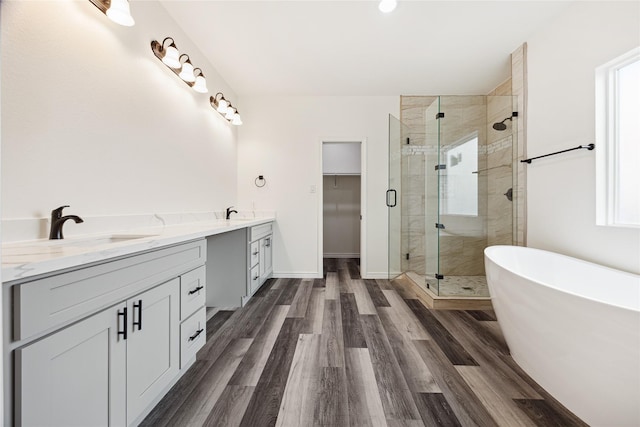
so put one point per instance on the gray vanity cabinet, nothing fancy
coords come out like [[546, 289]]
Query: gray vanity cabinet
[[112, 364], [238, 263], [85, 374], [153, 345], [260, 256], [74, 377]]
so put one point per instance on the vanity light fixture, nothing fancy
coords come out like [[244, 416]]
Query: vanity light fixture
[[200, 85], [171, 57], [220, 104], [387, 6], [168, 54], [187, 70], [224, 107], [236, 120], [230, 112], [116, 10]]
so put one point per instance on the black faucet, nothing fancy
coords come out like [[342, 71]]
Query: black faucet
[[230, 211], [57, 221]]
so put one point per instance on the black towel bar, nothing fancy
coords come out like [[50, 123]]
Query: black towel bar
[[579, 147]]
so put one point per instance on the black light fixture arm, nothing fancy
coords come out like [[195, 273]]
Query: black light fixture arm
[[162, 45], [579, 147]]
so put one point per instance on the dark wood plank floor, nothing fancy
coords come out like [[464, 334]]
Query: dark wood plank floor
[[342, 351]]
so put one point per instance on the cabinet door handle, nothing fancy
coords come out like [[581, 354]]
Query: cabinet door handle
[[191, 292], [256, 278], [123, 332], [194, 336], [137, 305], [256, 253]]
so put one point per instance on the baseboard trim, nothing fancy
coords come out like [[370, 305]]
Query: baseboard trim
[[297, 275]]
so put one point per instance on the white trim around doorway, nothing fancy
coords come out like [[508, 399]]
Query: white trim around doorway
[[363, 204]]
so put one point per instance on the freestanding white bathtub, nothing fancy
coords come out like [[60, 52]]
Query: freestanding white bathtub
[[574, 327]]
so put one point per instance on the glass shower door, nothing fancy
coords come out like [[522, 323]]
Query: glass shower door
[[432, 199]]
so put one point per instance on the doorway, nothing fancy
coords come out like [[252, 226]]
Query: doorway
[[342, 212], [341, 216]]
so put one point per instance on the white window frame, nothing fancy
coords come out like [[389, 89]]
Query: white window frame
[[607, 139]]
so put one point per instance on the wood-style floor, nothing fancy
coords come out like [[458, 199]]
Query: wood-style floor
[[343, 351]]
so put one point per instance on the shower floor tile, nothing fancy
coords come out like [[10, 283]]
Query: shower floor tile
[[455, 286]]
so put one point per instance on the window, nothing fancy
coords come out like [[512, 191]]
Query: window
[[618, 141], [460, 180]]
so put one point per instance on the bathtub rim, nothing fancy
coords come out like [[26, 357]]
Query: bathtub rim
[[496, 248]]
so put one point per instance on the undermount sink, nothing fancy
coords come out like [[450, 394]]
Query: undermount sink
[[97, 240], [116, 238]]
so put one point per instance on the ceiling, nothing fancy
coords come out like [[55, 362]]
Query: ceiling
[[350, 48]]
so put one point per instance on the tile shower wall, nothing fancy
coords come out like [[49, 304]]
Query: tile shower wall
[[500, 165], [518, 89]]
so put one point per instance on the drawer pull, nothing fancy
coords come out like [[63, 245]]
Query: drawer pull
[[256, 278], [196, 290], [137, 305], [124, 323], [268, 243], [256, 253], [194, 336]]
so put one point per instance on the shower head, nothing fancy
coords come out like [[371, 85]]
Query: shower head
[[501, 126]]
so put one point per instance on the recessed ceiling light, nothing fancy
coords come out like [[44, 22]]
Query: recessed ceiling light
[[387, 6]]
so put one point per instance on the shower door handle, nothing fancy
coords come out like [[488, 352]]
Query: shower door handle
[[395, 198]]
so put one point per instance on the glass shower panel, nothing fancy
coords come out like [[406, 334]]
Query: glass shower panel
[[393, 197], [431, 175], [462, 232]]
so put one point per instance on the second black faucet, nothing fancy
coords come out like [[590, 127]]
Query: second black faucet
[[229, 212]]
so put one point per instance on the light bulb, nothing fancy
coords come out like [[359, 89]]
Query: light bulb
[[387, 6], [120, 13], [236, 119], [200, 85], [223, 106], [230, 112], [171, 56], [187, 72]]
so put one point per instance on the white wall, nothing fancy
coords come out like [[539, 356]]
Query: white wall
[[561, 110], [281, 139], [91, 118]]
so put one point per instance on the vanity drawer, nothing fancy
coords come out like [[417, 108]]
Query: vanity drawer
[[254, 279], [260, 231], [254, 253], [47, 304], [193, 335], [192, 291]]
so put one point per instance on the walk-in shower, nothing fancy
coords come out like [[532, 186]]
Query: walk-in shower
[[451, 164]]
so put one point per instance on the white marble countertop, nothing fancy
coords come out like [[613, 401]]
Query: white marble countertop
[[33, 258]]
